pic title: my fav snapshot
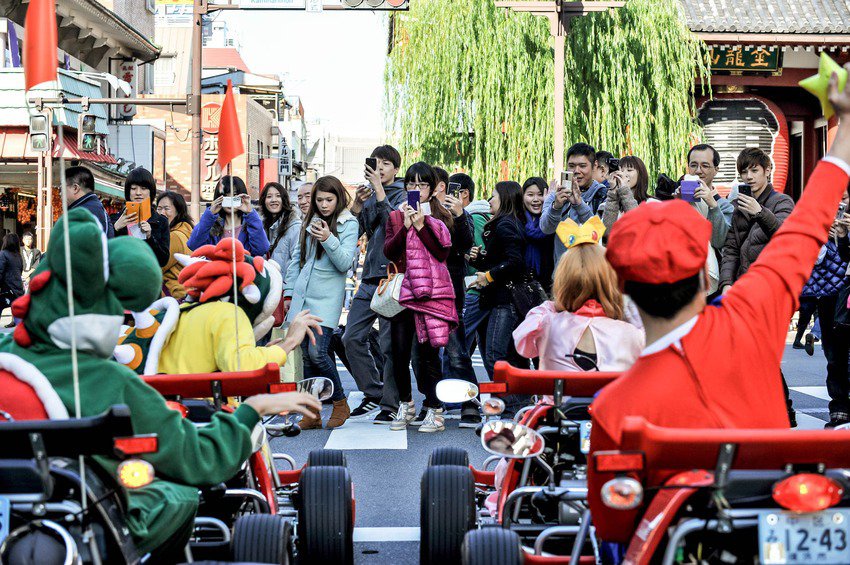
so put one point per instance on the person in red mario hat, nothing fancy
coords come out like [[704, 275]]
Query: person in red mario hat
[[710, 366]]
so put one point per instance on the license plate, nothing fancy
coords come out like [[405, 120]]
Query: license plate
[[584, 437], [4, 517], [789, 538]]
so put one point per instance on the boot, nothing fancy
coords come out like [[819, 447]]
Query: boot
[[310, 423], [340, 414]]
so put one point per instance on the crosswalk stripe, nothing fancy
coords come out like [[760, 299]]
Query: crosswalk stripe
[[386, 534], [363, 434], [806, 422], [816, 391]]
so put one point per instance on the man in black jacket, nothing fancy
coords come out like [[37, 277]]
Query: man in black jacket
[[80, 194], [138, 186]]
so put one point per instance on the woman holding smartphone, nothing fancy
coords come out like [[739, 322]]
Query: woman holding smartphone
[[243, 223], [629, 188], [315, 281], [418, 241]]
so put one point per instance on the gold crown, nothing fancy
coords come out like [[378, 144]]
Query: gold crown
[[572, 234]]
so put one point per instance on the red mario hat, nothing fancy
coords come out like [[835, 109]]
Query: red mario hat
[[659, 242]]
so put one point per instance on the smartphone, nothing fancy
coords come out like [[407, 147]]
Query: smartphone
[[469, 281], [841, 209], [413, 199], [316, 221], [454, 188], [372, 163], [745, 189], [566, 179], [231, 202]]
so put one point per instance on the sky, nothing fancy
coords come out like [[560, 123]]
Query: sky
[[334, 60]]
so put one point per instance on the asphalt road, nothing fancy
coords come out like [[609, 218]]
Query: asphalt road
[[386, 481]]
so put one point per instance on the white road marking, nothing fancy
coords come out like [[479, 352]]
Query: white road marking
[[806, 422], [816, 391], [386, 534], [363, 434]]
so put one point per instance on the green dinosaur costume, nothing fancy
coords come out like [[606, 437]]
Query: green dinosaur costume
[[109, 277]]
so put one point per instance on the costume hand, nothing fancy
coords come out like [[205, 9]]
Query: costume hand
[[840, 100], [748, 204], [706, 194], [320, 230], [245, 207], [146, 228], [303, 325], [300, 402], [216, 205], [454, 205], [408, 215]]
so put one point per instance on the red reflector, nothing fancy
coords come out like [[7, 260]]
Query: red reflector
[[493, 388], [136, 445], [807, 492], [283, 387], [618, 461], [178, 407]]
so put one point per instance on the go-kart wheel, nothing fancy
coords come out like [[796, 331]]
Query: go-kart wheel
[[326, 458], [325, 516], [447, 512], [492, 546], [449, 456], [262, 538]]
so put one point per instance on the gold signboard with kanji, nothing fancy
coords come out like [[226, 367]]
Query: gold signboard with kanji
[[745, 59]]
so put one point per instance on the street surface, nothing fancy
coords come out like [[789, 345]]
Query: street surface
[[386, 467]]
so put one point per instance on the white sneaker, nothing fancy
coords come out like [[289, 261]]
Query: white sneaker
[[406, 413], [433, 422]]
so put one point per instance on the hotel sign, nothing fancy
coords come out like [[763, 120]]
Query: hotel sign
[[745, 59]]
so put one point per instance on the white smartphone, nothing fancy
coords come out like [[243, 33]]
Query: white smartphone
[[231, 202], [469, 281], [425, 207], [566, 179]]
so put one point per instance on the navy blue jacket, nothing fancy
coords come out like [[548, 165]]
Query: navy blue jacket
[[828, 275], [91, 202]]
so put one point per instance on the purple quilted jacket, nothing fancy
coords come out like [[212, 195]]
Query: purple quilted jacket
[[427, 287]]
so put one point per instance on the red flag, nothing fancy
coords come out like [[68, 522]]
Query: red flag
[[40, 42], [230, 143]]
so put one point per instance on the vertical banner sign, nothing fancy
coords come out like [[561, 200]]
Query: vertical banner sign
[[127, 72], [210, 117]]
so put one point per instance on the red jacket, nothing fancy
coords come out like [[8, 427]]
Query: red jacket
[[726, 373]]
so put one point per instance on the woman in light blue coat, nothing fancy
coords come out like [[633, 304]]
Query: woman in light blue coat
[[315, 281]]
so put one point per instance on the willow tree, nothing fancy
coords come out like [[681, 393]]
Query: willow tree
[[471, 86]]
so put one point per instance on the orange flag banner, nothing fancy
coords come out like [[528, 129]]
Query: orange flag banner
[[40, 43], [230, 144]]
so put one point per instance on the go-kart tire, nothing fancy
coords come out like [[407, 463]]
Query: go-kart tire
[[447, 512], [492, 546], [262, 538], [449, 456], [326, 458], [325, 520]]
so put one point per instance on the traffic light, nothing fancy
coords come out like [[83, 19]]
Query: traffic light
[[377, 4], [40, 133], [86, 133]]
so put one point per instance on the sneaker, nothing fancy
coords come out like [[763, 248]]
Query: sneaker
[[470, 419], [368, 407], [384, 417], [433, 422], [406, 413], [424, 413], [810, 344]]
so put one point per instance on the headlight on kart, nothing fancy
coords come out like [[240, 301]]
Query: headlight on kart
[[135, 473], [622, 493], [493, 406]]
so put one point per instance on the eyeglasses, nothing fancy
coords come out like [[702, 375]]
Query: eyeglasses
[[418, 186], [703, 166]]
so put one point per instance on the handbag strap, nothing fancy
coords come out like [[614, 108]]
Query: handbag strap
[[384, 283]]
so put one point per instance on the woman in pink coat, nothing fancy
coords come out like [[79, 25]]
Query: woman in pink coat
[[418, 241]]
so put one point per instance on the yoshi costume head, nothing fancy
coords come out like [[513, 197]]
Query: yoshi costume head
[[108, 277]]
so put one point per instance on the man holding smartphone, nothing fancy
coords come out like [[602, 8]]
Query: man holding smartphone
[[372, 205], [579, 201]]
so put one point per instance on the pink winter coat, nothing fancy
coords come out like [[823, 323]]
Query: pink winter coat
[[427, 287]]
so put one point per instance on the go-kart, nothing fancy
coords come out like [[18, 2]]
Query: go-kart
[[305, 513], [42, 516], [730, 496], [542, 498]]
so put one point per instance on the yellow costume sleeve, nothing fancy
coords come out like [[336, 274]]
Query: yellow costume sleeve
[[251, 357]]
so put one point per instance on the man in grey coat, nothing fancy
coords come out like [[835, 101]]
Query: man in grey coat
[[372, 206]]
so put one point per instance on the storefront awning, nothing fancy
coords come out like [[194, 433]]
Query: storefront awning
[[108, 189], [14, 144]]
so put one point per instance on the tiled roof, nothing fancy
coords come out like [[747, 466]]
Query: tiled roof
[[224, 58], [768, 16]]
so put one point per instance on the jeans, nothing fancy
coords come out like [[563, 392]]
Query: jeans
[[361, 317], [337, 349], [318, 362], [427, 361], [475, 322], [500, 347]]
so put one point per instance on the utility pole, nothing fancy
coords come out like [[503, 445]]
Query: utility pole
[[559, 13]]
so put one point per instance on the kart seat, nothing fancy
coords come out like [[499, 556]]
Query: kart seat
[[526, 381], [27, 394]]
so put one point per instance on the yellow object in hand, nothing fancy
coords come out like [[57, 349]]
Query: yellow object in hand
[[819, 84]]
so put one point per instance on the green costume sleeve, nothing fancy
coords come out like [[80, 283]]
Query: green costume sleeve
[[189, 454]]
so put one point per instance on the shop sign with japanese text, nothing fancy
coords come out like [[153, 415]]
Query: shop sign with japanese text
[[745, 59]]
